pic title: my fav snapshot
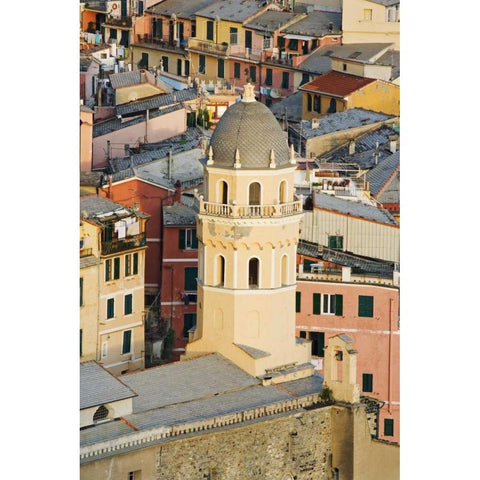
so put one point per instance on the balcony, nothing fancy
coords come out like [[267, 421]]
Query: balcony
[[125, 22], [97, 6], [207, 47], [161, 44], [120, 244], [240, 51], [250, 211]]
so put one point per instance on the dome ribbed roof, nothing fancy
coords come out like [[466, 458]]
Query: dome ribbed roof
[[252, 128]]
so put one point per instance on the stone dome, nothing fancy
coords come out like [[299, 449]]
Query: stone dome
[[250, 127]]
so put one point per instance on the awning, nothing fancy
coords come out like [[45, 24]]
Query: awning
[[297, 37]]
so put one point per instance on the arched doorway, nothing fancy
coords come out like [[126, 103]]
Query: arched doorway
[[254, 193]]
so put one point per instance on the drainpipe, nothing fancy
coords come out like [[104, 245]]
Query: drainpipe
[[146, 125], [390, 360]]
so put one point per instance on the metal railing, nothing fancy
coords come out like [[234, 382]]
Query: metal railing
[[207, 47], [243, 52], [119, 22], [120, 244], [176, 45], [250, 211]]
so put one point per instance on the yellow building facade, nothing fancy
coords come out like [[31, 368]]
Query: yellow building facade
[[370, 21], [248, 227]]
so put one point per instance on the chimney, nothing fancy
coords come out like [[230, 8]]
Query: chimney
[[393, 143], [375, 156], [178, 191], [315, 122], [170, 164], [351, 147]]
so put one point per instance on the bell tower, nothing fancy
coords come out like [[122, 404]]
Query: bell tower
[[248, 229]]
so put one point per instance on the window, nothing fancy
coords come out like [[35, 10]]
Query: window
[[268, 77], [179, 66], [144, 61], [284, 270], [281, 42], [221, 68], [194, 29], [103, 56], [333, 106], [344, 67], [307, 265], [135, 263], [209, 30], [129, 271], [187, 68], [100, 414], [317, 103], [110, 308], [157, 27], [220, 270], [201, 64], [104, 349], [128, 304], [303, 334], [191, 274], [108, 270], [189, 321], [236, 70], [116, 268], [187, 239], [367, 382], [253, 272], [293, 44], [81, 291], [367, 13], [327, 304], [135, 475], [365, 306], [309, 102], [305, 78], [318, 343], [165, 63], [335, 241], [248, 39], [267, 42], [253, 74], [285, 80], [127, 342], [233, 36], [388, 427], [81, 342], [254, 194], [298, 302]]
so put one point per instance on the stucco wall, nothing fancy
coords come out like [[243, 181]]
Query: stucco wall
[[155, 130]]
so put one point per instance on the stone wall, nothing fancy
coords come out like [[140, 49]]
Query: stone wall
[[297, 444]]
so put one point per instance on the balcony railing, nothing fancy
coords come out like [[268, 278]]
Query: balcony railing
[[127, 243], [176, 46], [207, 47], [250, 211], [243, 52], [119, 22]]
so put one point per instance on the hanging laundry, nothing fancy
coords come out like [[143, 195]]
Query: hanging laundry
[[133, 229], [121, 229]]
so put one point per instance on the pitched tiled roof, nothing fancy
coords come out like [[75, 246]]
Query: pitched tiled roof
[[233, 10], [383, 172], [385, 3], [178, 214], [270, 20], [316, 24], [181, 8], [355, 209], [97, 386], [336, 84]]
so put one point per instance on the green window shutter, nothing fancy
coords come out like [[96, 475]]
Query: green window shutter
[[285, 80], [309, 102], [236, 70], [268, 77], [128, 304], [110, 308], [209, 30], [191, 274], [81, 291], [127, 341], [221, 68], [388, 427], [81, 342], [253, 74], [194, 239], [201, 64], [189, 321], [135, 263], [116, 268], [108, 270], [316, 303], [298, 301], [181, 239], [128, 265], [338, 305], [365, 306], [367, 382], [306, 265]]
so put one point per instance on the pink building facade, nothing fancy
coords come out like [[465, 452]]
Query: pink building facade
[[369, 314]]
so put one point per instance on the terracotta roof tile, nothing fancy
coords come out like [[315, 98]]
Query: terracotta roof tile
[[336, 83]]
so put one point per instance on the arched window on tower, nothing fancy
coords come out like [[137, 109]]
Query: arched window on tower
[[100, 414], [220, 270], [253, 271], [282, 191], [254, 193], [284, 270], [223, 192]]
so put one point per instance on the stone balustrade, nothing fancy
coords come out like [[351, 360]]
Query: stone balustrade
[[250, 211]]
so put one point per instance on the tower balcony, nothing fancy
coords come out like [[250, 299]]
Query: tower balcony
[[249, 211]]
